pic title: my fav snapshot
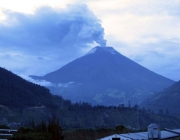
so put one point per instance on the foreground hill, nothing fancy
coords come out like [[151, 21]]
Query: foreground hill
[[104, 76], [16, 92], [166, 101]]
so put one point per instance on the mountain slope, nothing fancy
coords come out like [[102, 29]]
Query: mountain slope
[[167, 100], [104, 76], [16, 92]]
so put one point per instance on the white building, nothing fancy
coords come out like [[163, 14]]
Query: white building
[[153, 133]]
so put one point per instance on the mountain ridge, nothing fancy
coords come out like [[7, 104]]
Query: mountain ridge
[[17, 92], [104, 73], [166, 101]]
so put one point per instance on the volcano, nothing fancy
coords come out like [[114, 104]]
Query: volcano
[[104, 76]]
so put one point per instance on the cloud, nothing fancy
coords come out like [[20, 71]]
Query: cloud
[[48, 26], [54, 36], [147, 32], [139, 21], [162, 57], [38, 82]]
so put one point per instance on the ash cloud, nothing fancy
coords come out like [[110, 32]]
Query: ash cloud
[[56, 35], [74, 26]]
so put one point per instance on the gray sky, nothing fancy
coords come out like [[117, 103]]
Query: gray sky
[[40, 36]]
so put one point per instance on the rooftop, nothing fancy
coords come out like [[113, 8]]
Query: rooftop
[[165, 134]]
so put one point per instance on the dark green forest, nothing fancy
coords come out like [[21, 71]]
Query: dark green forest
[[84, 115], [16, 92], [52, 131], [81, 121], [168, 99]]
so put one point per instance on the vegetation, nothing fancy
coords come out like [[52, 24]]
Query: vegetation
[[166, 101], [85, 116], [41, 131], [4, 127], [53, 131], [92, 134], [18, 93]]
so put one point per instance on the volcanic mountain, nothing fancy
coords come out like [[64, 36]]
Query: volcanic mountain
[[104, 76]]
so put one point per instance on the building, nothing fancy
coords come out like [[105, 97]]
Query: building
[[153, 133]]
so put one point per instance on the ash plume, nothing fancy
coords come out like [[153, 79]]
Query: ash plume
[[57, 36], [74, 26]]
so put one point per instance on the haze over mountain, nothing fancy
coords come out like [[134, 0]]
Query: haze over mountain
[[166, 101], [104, 76]]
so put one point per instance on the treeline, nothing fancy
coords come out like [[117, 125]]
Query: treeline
[[93, 134], [84, 115], [41, 131], [53, 131]]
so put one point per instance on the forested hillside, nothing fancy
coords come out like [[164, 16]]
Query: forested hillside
[[16, 92], [83, 115], [167, 100]]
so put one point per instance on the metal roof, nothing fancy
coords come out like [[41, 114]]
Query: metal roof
[[174, 130], [8, 130], [115, 136], [136, 136], [167, 133]]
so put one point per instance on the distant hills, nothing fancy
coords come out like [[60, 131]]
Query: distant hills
[[166, 101], [104, 76]]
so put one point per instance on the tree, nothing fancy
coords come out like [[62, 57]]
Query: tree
[[129, 104], [136, 107], [167, 111], [121, 128], [55, 129], [161, 112]]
